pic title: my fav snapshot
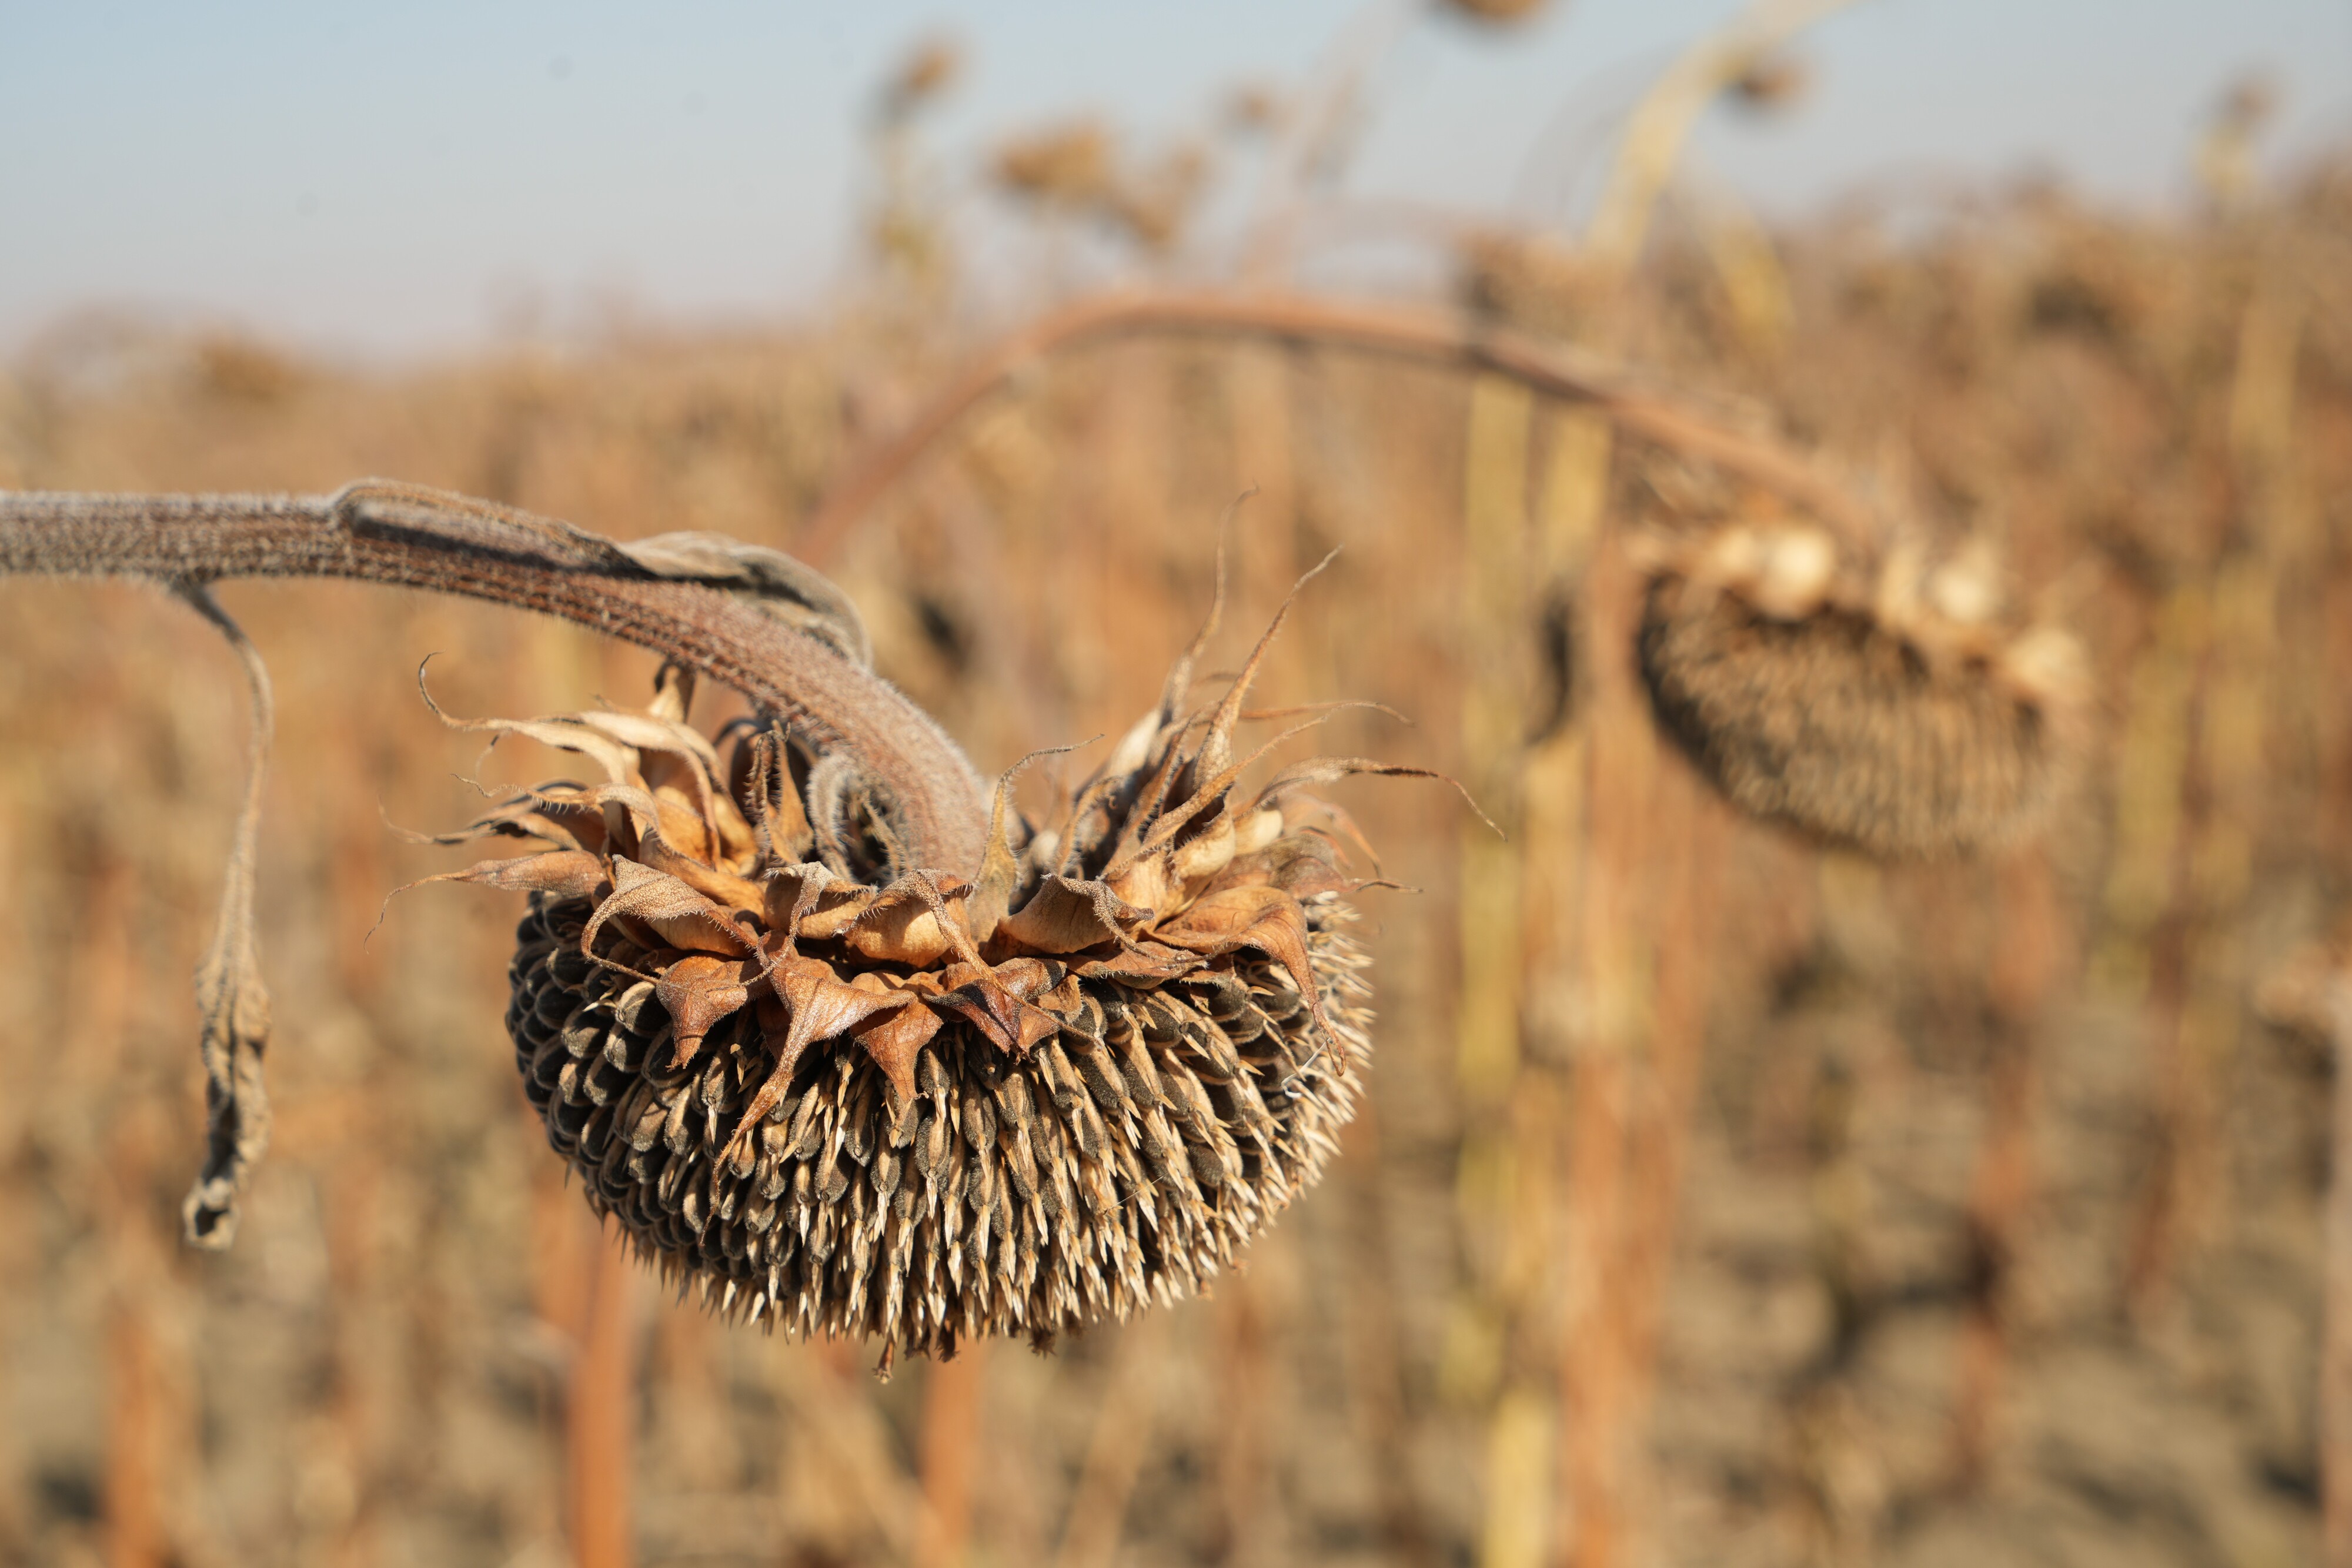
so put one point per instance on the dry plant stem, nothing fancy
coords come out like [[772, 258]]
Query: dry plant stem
[[1428, 337], [134, 1527], [139, 1431], [1656, 130], [1249, 1526], [1115, 1452], [379, 532], [1315, 139], [1598, 1376], [600, 1417], [2335, 1333], [2033, 937], [951, 1410], [1377, 1351], [1684, 960]]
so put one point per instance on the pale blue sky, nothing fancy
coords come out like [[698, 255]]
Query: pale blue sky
[[390, 180]]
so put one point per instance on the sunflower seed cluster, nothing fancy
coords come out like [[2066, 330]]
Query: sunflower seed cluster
[[1120, 1163], [848, 1094], [1892, 711]]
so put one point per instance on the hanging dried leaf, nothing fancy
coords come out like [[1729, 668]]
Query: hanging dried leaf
[[232, 1003]]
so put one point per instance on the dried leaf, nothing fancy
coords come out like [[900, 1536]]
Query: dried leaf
[[1216, 747], [809, 900], [1300, 864], [698, 992], [894, 1040], [902, 925], [1066, 915], [1146, 883], [821, 1008], [780, 829], [1000, 868], [519, 818], [563, 732], [719, 886], [682, 917], [893, 917], [625, 812], [1146, 961], [992, 1002], [565, 873], [232, 1003], [1263, 917]]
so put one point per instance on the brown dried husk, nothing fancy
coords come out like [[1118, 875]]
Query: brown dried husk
[[1850, 706], [850, 1098]]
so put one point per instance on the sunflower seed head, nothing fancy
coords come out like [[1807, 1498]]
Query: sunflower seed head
[[1889, 708], [830, 1095]]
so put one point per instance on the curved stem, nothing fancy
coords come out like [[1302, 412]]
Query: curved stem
[[1427, 336], [1662, 122], [377, 531]]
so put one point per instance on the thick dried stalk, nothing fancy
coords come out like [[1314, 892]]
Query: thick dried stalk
[[2336, 1341], [381, 532], [600, 1417], [1116, 1451], [1248, 1529], [1376, 1352], [2033, 937], [1600, 1383], [1425, 336], [951, 1410]]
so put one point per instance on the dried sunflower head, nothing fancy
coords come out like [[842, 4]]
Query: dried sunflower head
[[854, 1096], [1888, 706]]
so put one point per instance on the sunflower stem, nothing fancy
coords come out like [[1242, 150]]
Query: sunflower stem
[[379, 532]]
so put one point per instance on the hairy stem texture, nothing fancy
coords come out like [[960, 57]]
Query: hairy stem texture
[[381, 532]]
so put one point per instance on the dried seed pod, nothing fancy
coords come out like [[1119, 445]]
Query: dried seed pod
[[1889, 711], [851, 1095]]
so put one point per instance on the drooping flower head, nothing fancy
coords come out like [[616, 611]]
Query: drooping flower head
[[850, 1096], [1892, 704]]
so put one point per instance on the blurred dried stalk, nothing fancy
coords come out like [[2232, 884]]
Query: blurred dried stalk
[[1122, 1434], [2212, 694], [2225, 158], [1309, 322], [1654, 134], [600, 1411], [952, 1447], [1495, 11], [2030, 949], [2312, 991]]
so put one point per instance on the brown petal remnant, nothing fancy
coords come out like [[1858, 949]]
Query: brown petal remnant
[[1889, 709], [845, 1107]]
